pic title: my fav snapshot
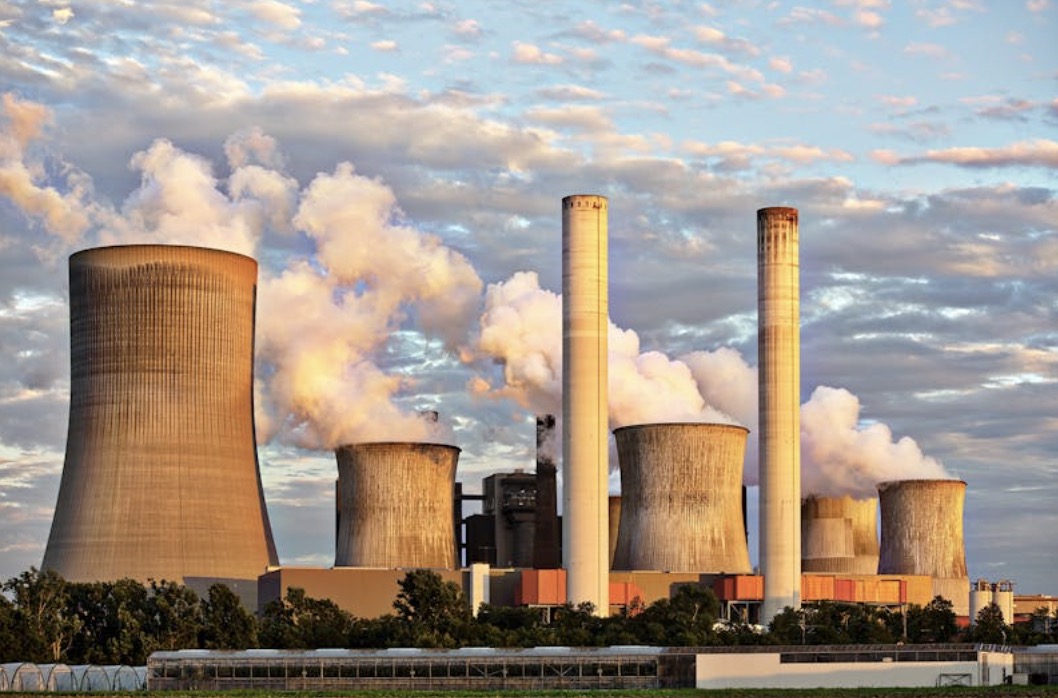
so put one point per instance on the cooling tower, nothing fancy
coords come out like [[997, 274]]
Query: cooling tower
[[613, 519], [397, 505], [922, 533], [839, 534], [779, 356], [161, 478], [681, 498], [585, 430]]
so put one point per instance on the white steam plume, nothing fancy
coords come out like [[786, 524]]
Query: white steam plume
[[325, 318], [841, 456]]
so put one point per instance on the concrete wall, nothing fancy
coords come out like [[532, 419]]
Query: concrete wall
[[758, 670], [161, 479]]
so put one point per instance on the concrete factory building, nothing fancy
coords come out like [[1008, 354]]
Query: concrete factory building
[[161, 479], [839, 534]]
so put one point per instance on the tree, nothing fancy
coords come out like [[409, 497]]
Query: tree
[[934, 622], [299, 621], [226, 624], [42, 612], [989, 626], [172, 619], [686, 619], [10, 632], [433, 612]]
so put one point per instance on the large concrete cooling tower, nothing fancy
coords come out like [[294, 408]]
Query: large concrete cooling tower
[[161, 477], [922, 533], [839, 534], [397, 505], [585, 429], [779, 352], [681, 498]]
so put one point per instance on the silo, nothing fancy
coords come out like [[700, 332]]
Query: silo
[[779, 352], [1003, 596], [922, 533], [681, 498], [161, 478], [839, 534], [397, 505], [980, 597], [585, 428]]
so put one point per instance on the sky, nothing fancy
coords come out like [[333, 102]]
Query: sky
[[397, 171]]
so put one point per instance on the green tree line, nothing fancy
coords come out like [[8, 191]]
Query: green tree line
[[44, 618]]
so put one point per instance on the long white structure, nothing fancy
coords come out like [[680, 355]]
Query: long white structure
[[585, 432], [779, 357]]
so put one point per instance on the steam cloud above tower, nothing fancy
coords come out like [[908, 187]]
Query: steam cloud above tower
[[326, 318]]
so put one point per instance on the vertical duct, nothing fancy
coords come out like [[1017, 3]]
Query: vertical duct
[[396, 505], [161, 478], [779, 357], [546, 554], [681, 491], [839, 534], [922, 533], [585, 433], [614, 520]]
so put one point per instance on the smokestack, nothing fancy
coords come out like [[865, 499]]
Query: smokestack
[[397, 505], [160, 479], [839, 534], [779, 357], [585, 431], [614, 520], [681, 490], [922, 533], [546, 555]]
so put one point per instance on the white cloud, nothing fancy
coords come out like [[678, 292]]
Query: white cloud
[[532, 54]]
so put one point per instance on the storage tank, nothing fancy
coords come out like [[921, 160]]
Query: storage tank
[[980, 597], [839, 534], [1003, 596], [160, 479], [779, 352], [922, 533], [397, 505], [681, 498]]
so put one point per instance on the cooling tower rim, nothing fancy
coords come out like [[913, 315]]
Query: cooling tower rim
[[395, 444], [854, 497], [777, 209], [644, 425], [103, 249], [889, 484]]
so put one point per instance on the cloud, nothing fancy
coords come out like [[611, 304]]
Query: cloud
[[916, 48], [781, 64], [532, 54], [385, 45], [1037, 6], [1037, 153], [276, 13], [467, 28]]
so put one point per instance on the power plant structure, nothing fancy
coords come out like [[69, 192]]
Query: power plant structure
[[839, 534], [922, 534], [984, 593], [161, 478], [547, 544], [779, 359], [396, 505], [681, 498], [585, 426]]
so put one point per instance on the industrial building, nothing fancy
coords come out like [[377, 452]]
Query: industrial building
[[160, 479], [161, 403]]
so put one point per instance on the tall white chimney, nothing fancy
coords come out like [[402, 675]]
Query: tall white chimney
[[585, 432], [779, 357]]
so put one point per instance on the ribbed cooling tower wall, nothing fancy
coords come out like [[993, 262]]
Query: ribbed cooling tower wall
[[161, 477], [839, 534], [397, 505], [681, 498], [922, 533]]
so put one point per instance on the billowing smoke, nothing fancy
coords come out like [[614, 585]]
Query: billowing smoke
[[521, 330], [325, 318], [841, 456]]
